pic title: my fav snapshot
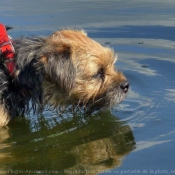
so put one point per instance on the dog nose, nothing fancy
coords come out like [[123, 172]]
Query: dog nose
[[124, 86]]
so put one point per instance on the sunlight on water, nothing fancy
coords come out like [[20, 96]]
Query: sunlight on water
[[170, 95]]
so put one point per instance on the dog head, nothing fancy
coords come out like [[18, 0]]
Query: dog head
[[78, 70]]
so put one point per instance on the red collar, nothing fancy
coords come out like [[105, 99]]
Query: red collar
[[6, 48]]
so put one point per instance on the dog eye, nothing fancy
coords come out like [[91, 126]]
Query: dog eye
[[100, 74]]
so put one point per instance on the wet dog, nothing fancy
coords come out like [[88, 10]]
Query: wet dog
[[66, 68]]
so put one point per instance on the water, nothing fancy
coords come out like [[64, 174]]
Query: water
[[137, 136]]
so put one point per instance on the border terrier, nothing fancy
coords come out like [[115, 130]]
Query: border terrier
[[64, 69]]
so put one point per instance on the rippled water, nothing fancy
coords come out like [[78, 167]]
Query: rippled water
[[136, 136]]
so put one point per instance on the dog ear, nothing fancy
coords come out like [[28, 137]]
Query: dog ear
[[59, 67], [29, 82]]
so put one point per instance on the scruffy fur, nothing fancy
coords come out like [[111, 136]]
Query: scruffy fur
[[66, 68]]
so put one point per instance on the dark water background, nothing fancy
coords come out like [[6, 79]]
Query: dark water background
[[137, 136]]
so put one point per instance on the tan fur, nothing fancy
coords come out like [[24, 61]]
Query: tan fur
[[4, 117], [74, 70], [87, 56]]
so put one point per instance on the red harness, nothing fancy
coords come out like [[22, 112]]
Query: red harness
[[6, 48]]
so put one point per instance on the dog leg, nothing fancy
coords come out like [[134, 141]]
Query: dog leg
[[4, 116]]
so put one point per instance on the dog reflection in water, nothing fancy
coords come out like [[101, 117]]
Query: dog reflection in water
[[66, 68], [95, 147], [104, 154]]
